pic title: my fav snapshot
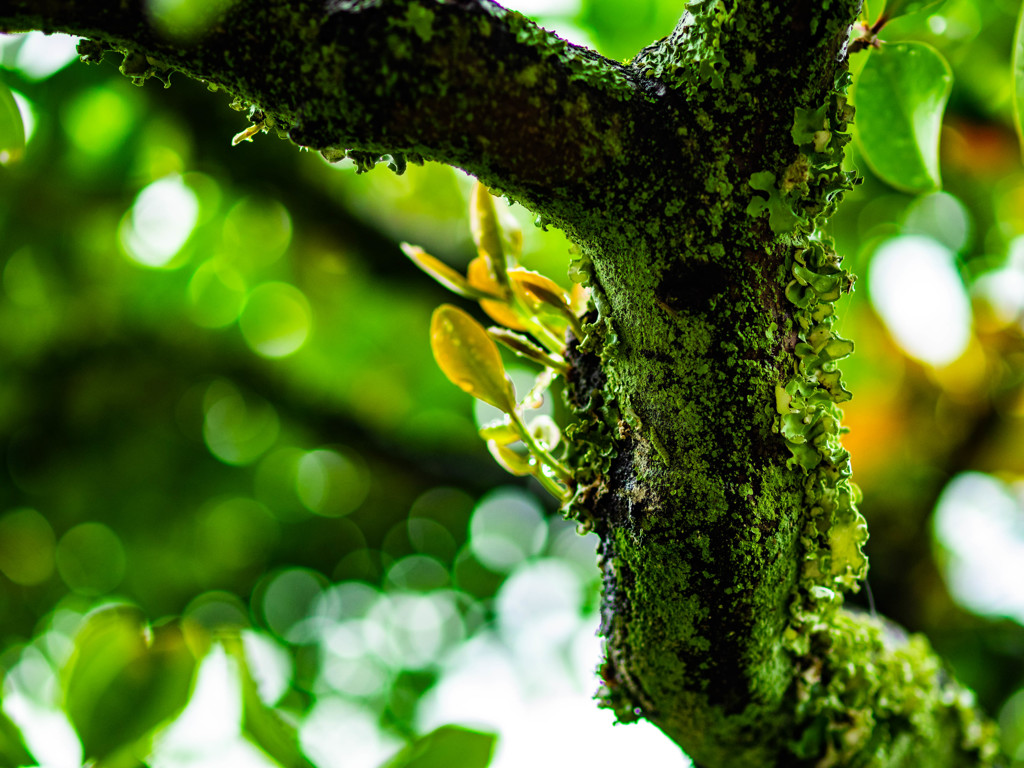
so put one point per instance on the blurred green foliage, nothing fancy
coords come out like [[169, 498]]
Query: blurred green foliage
[[219, 410]]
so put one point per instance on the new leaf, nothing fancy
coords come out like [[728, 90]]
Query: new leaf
[[469, 358]]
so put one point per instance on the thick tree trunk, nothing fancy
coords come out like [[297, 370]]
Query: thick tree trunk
[[696, 181]]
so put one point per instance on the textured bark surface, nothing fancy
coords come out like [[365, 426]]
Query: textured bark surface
[[695, 180]]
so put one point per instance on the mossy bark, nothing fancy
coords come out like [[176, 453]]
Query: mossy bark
[[696, 180]]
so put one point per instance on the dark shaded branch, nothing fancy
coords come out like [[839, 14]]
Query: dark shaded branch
[[785, 32], [466, 83]]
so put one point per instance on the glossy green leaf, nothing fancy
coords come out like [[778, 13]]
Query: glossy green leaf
[[1018, 78], [470, 358], [895, 8], [12, 128], [900, 97], [125, 678], [263, 726], [450, 746]]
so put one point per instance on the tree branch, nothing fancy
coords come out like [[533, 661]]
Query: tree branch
[[466, 83], [729, 533]]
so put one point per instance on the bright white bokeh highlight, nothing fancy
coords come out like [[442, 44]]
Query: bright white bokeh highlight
[[45, 728], [47, 732], [30, 694], [270, 665], [533, 681], [1003, 288], [918, 293], [343, 734], [539, 606], [160, 222], [40, 55], [195, 733], [507, 527], [979, 526]]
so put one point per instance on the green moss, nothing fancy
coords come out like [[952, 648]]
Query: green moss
[[872, 696], [421, 20]]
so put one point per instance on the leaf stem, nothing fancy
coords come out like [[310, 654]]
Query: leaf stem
[[538, 450], [545, 336], [576, 325], [560, 492]]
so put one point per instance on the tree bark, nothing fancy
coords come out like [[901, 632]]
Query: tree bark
[[696, 180]]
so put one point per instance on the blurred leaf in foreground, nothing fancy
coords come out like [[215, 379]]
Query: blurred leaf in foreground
[[124, 678], [446, 747]]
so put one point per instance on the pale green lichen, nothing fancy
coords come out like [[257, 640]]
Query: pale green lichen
[[692, 53], [866, 693], [808, 190], [780, 209], [809, 417]]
